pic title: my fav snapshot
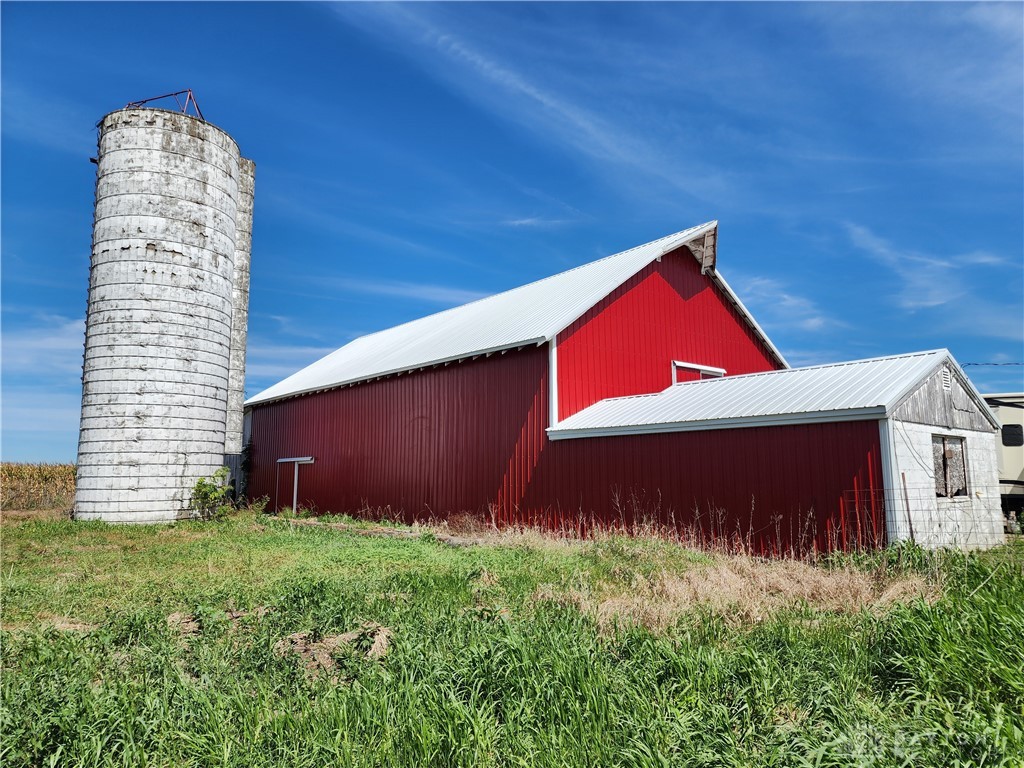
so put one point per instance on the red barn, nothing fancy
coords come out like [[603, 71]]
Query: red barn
[[518, 408]]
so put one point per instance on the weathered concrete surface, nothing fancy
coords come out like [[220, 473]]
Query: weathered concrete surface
[[971, 521], [240, 306], [161, 322]]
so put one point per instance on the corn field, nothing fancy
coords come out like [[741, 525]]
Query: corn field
[[36, 486]]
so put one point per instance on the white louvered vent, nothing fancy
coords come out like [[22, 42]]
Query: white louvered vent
[[947, 379]]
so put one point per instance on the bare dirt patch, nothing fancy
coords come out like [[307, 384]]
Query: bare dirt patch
[[739, 588], [319, 656], [188, 625], [64, 623], [97, 548], [174, 532], [184, 624]]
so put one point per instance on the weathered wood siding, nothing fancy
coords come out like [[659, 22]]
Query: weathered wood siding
[[939, 405]]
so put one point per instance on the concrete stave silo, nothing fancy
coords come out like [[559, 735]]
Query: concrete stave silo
[[240, 308], [161, 320]]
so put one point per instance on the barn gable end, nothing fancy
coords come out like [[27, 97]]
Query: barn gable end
[[944, 399], [672, 310]]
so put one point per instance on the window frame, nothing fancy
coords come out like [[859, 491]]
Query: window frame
[[943, 474], [703, 371]]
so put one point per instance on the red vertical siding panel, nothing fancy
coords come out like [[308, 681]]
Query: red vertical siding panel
[[669, 311], [447, 439], [783, 487]]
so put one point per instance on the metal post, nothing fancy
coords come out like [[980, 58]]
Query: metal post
[[296, 460]]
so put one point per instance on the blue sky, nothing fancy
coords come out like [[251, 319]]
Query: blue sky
[[865, 161]]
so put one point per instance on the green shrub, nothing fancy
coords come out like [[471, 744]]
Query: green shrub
[[211, 497]]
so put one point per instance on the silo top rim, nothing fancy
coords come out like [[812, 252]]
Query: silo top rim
[[176, 113]]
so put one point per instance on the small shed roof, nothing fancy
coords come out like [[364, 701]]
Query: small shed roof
[[857, 390], [531, 314]]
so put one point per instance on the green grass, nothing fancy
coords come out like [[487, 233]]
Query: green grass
[[493, 661]]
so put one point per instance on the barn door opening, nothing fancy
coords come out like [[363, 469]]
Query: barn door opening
[[286, 487]]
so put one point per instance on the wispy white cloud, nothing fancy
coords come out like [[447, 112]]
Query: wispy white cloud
[[535, 222], [558, 115], [47, 121], [290, 326], [957, 58], [926, 280], [946, 284], [333, 222], [52, 344], [434, 294], [778, 305], [267, 363]]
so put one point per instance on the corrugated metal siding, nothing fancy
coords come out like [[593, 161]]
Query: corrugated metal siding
[[454, 438], [624, 345], [780, 488], [470, 437]]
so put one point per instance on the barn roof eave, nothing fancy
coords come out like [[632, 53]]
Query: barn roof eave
[[258, 400], [775, 420]]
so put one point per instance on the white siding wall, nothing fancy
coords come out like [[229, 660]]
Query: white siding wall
[[975, 520]]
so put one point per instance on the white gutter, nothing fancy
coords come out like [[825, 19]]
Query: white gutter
[[553, 382], [896, 511]]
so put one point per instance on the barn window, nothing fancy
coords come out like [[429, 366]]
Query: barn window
[[950, 466], [683, 372]]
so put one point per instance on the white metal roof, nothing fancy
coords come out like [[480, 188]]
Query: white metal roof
[[855, 390], [530, 314]]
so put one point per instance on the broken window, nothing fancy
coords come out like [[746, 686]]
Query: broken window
[[950, 466]]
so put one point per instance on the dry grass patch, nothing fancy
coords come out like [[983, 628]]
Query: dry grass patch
[[319, 656], [50, 621], [189, 625], [13, 516], [742, 589]]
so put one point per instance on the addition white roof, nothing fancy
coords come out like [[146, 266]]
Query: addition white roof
[[532, 314], [851, 391]]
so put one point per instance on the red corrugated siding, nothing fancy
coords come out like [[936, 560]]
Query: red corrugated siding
[[669, 311], [454, 438], [780, 487], [470, 437]]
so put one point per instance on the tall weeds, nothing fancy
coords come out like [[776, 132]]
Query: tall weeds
[[482, 670]]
